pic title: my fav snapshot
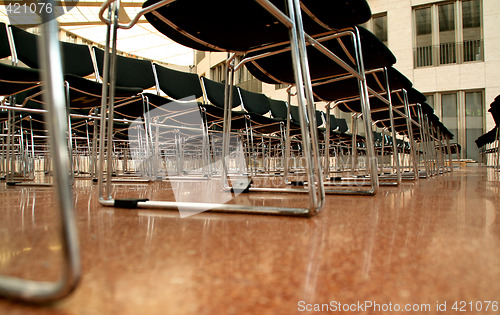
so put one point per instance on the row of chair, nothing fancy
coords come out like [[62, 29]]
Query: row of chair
[[256, 105], [315, 46], [488, 142], [83, 94]]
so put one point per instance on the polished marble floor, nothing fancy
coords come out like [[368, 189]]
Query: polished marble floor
[[421, 244]]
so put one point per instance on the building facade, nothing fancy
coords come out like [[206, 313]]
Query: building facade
[[449, 49]]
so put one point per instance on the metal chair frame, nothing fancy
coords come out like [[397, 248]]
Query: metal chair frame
[[306, 108], [55, 100]]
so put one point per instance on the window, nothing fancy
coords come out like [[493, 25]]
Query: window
[[34, 30], [430, 100], [447, 46], [280, 86], [471, 21], [218, 72], [378, 26], [473, 122], [87, 42], [449, 107], [448, 33], [245, 80], [242, 77], [462, 113], [70, 38], [423, 51]]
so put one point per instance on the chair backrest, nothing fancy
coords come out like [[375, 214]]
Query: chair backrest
[[253, 102], [342, 123], [294, 112], [130, 72], [216, 91], [278, 108], [4, 42], [333, 122], [178, 84], [76, 57]]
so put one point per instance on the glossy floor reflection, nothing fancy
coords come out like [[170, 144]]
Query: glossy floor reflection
[[427, 242]]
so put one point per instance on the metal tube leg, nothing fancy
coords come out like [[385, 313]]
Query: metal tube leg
[[327, 142], [286, 159], [413, 152], [109, 72], [54, 100], [228, 99], [354, 147], [395, 154], [450, 159], [306, 109], [365, 110], [70, 139], [9, 156]]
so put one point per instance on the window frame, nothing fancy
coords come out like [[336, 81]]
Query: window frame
[[436, 50], [461, 114], [369, 25]]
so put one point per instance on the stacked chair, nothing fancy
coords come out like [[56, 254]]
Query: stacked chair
[[488, 143], [348, 68], [352, 70], [83, 95], [263, 26]]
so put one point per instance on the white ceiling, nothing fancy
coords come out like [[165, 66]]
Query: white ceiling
[[142, 40]]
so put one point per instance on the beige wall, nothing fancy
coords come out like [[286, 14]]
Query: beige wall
[[477, 75]]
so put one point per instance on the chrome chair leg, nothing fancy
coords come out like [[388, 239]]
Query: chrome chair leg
[[54, 100]]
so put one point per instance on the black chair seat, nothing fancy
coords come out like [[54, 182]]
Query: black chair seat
[[426, 108], [348, 88], [487, 138], [215, 116], [184, 22], [495, 111], [337, 14], [277, 68], [264, 124], [397, 99], [345, 139], [85, 93], [15, 79]]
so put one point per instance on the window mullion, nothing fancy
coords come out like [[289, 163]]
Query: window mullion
[[435, 34], [459, 34]]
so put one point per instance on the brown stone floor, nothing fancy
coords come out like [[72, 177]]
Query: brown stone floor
[[427, 242]]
